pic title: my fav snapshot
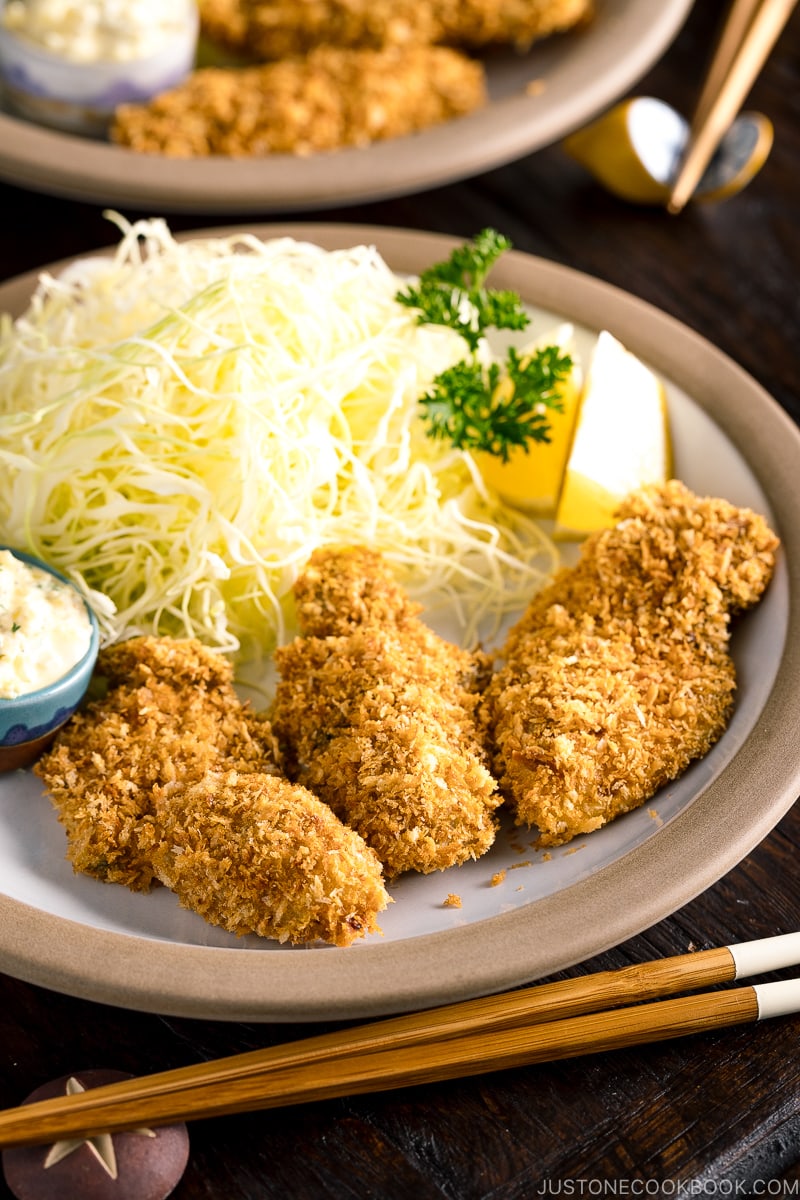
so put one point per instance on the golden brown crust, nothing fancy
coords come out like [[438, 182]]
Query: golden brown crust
[[330, 99], [180, 662], [171, 713], [346, 587], [170, 778], [255, 854], [380, 721], [271, 29], [618, 675]]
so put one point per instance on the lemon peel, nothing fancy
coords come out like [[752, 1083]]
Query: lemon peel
[[621, 440]]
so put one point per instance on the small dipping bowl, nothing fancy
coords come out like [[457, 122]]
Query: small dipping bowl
[[29, 722], [79, 96]]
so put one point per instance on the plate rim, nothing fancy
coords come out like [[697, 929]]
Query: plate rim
[[79, 169], [750, 795]]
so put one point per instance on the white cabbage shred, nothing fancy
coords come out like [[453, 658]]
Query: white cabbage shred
[[183, 422]]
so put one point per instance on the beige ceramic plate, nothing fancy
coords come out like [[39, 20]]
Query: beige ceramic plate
[[77, 935], [582, 73]]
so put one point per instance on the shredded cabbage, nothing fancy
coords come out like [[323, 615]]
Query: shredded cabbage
[[183, 422]]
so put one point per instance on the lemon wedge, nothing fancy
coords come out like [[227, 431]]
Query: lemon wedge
[[621, 440], [531, 478]]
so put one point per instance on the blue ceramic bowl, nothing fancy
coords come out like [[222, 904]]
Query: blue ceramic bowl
[[80, 97], [28, 723]]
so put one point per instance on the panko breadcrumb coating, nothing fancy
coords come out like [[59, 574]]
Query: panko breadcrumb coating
[[380, 721], [331, 99], [619, 675], [170, 778], [255, 854], [342, 589], [270, 29], [171, 712]]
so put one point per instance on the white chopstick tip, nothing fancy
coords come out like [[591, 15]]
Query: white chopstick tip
[[777, 999], [765, 954]]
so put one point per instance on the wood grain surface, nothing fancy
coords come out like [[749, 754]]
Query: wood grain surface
[[713, 1114]]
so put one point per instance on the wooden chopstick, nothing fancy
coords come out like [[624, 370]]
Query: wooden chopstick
[[731, 38], [471, 1037], [751, 30]]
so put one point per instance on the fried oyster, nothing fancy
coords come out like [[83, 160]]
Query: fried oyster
[[169, 778], [619, 673], [255, 854], [376, 715]]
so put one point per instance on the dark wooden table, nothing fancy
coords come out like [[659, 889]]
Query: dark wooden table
[[709, 1115]]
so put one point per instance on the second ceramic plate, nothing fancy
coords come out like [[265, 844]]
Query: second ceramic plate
[[577, 75]]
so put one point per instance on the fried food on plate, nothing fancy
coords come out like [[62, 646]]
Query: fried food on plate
[[256, 854], [331, 99], [171, 712], [170, 778], [377, 717], [271, 29], [344, 588], [619, 674]]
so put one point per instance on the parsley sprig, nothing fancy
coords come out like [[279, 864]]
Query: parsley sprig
[[452, 292], [485, 408], [475, 406]]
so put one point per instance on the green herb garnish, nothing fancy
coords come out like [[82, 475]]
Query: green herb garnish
[[452, 292], [481, 408], [473, 405]]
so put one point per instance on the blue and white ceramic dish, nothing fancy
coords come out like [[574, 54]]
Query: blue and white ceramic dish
[[80, 97], [29, 722]]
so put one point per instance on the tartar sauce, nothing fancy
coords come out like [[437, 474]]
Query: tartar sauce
[[44, 627], [91, 31]]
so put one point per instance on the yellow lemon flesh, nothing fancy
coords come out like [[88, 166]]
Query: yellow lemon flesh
[[621, 440], [531, 478]]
